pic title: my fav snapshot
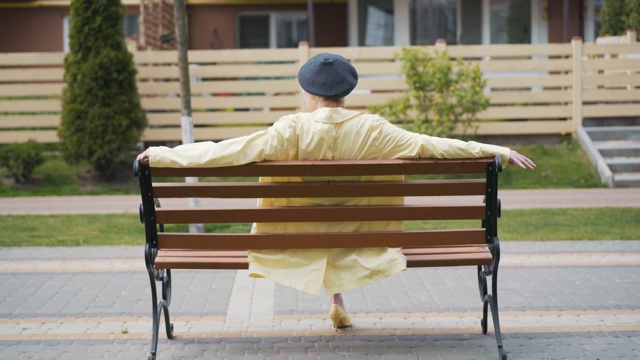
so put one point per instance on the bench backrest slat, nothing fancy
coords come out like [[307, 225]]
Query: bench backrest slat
[[409, 239], [323, 213], [449, 260], [335, 168], [322, 189]]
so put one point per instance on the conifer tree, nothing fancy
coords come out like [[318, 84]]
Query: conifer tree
[[633, 16], [101, 113], [612, 18]]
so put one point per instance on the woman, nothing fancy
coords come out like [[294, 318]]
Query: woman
[[326, 131]]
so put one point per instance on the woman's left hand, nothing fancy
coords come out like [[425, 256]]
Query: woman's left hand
[[515, 158]]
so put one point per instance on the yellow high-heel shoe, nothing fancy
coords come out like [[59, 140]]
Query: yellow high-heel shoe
[[339, 317]]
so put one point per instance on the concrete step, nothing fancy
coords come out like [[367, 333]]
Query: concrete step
[[623, 165], [618, 148], [626, 133], [621, 180], [615, 152]]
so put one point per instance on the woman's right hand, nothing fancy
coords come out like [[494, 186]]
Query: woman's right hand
[[144, 157]]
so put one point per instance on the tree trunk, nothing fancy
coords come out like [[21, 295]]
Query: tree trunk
[[180, 12]]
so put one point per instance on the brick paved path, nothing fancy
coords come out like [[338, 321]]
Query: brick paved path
[[558, 300]]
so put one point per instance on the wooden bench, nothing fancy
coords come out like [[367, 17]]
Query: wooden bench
[[476, 199]]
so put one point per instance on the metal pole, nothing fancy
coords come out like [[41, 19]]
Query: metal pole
[[311, 24], [565, 21], [183, 62]]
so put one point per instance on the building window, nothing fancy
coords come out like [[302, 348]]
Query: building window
[[382, 22], [470, 29], [432, 20], [272, 30], [131, 26], [510, 21], [456, 21], [253, 31], [375, 25]]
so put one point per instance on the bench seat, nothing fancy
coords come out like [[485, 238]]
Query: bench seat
[[424, 257]]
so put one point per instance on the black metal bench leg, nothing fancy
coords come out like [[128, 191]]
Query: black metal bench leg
[[490, 301], [156, 319], [166, 301], [158, 308], [483, 322], [482, 284]]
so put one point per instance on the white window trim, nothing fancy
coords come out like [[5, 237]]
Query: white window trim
[[401, 23], [539, 25], [352, 16], [65, 34], [486, 25], [590, 22]]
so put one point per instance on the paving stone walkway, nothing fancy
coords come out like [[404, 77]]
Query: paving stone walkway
[[558, 300]]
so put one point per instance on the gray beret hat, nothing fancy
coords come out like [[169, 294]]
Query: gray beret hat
[[328, 75]]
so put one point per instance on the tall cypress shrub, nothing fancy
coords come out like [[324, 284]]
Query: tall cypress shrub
[[101, 113]]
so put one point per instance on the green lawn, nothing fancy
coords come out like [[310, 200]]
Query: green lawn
[[71, 230], [56, 178], [559, 166], [126, 229]]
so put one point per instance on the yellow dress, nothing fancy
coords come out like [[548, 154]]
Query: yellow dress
[[325, 134]]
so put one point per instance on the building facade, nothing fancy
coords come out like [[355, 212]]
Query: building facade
[[42, 25]]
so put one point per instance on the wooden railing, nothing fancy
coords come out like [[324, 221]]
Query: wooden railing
[[534, 89]]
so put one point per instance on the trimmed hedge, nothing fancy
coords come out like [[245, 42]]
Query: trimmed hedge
[[20, 159]]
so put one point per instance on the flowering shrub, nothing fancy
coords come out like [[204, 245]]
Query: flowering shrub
[[444, 96]]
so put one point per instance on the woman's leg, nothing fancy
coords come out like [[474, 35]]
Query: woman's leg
[[338, 314], [337, 299]]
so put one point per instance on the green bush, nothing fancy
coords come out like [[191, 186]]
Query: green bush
[[101, 113], [20, 159], [612, 18], [633, 16], [444, 95], [617, 16]]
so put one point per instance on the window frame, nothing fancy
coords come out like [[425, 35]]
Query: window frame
[[273, 24]]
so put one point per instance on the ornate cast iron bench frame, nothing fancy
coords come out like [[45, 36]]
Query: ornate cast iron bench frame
[[477, 246]]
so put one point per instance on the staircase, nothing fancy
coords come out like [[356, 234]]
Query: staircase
[[615, 151]]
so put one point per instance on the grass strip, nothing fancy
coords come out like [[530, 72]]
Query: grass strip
[[559, 224], [559, 166], [125, 229]]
